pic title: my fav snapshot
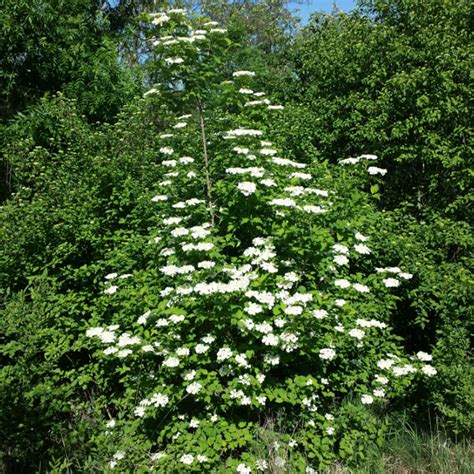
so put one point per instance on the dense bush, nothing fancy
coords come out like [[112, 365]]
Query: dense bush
[[210, 283]]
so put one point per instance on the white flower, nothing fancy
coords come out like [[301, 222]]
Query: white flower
[[201, 348], [362, 249], [171, 164], [268, 151], [187, 459], [349, 161], [249, 324], [111, 276], [385, 363], [275, 107], [151, 91], [283, 202], [314, 209], [91, 332], [124, 353], [339, 248], [243, 73], [361, 288], [320, 313], [127, 340], [429, 370], [119, 455], [161, 197], [111, 290], [367, 157], [194, 423], [241, 150], [243, 132], [247, 188], [245, 91], [166, 150], [361, 237], [379, 392], [373, 170], [272, 360], [143, 318], [243, 469], [110, 424], [110, 350], [264, 328], [327, 354], [223, 354], [261, 464], [341, 260], [160, 18], [270, 340], [342, 283], [190, 375], [177, 318], [253, 309], [171, 362], [107, 336], [382, 380], [367, 399], [174, 60], [157, 456], [241, 360], [268, 182], [330, 431], [182, 351], [257, 102], [159, 400], [340, 302], [202, 458], [286, 162], [424, 356], [209, 339], [179, 232], [357, 333], [391, 282], [294, 310], [406, 276], [194, 388], [304, 176], [373, 323], [172, 220]]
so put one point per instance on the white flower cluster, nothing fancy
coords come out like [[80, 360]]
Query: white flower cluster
[[354, 161], [242, 132]]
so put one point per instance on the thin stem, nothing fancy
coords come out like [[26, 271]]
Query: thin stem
[[206, 163]]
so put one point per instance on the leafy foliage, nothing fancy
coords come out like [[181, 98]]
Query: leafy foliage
[[174, 289]]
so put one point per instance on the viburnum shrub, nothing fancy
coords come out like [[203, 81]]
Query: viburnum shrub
[[258, 295]]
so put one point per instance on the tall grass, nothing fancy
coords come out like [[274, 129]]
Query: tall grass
[[408, 450]]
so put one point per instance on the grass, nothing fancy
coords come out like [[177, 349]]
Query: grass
[[410, 450], [407, 450]]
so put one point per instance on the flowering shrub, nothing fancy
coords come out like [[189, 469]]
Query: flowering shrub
[[256, 293]]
